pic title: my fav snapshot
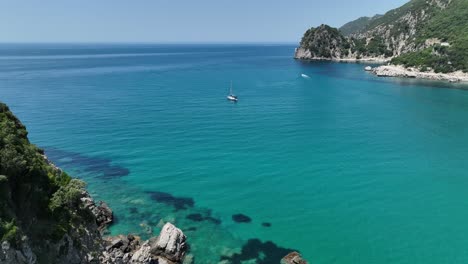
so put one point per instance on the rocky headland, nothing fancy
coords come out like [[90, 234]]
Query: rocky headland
[[421, 39]]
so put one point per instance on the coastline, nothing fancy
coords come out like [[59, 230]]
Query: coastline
[[389, 70], [76, 224], [305, 55], [400, 71]]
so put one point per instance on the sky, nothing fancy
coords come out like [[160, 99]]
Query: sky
[[176, 21]]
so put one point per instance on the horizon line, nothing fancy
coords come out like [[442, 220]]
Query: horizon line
[[155, 42]]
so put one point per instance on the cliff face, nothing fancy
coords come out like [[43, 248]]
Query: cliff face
[[398, 29], [48, 217], [423, 33], [41, 215]]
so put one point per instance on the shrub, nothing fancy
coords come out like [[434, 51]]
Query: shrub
[[67, 196], [9, 232]]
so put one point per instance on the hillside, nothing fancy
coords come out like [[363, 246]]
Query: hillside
[[41, 214], [357, 25], [427, 34]]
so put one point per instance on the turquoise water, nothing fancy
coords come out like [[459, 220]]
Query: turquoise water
[[346, 167]]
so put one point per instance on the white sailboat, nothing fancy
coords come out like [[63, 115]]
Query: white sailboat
[[231, 97]]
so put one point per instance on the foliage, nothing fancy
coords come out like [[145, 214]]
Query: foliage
[[404, 31], [357, 25], [451, 26], [68, 196], [324, 41], [36, 198], [9, 232]]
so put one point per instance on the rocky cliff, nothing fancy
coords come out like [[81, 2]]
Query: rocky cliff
[[48, 217], [422, 33]]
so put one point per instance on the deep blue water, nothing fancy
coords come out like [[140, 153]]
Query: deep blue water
[[346, 167]]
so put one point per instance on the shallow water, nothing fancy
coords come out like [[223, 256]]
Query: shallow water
[[346, 167]]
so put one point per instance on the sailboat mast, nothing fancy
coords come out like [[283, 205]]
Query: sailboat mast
[[230, 90]]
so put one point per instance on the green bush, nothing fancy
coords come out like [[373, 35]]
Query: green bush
[[9, 232], [36, 199], [67, 196]]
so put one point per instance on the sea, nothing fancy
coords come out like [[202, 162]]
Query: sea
[[317, 157]]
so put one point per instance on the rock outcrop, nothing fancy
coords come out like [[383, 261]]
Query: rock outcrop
[[10, 255], [400, 71], [101, 211], [169, 247], [293, 258]]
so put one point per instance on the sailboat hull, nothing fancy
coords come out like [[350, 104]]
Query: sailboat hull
[[232, 98]]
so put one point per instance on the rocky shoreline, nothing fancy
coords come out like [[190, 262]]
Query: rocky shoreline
[[387, 70], [169, 247], [69, 227], [303, 54], [400, 71]]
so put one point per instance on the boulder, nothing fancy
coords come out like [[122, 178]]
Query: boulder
[[104, 215], [168, 248], [143, 254], [293, 258], [170, 244], [101, 211]]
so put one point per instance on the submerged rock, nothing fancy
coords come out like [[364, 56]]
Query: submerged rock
[[241, 218]]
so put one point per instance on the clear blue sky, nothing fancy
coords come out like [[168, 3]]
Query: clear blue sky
[[175, 21]]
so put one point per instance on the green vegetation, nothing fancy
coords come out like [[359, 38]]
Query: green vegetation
[[413, 7], [9, 232], [451, 26], [36, 198], [440, 59], [324, 41], [403, 34], [357, 25]]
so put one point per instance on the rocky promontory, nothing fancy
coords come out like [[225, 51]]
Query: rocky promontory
[[410, 72], [426, 37]]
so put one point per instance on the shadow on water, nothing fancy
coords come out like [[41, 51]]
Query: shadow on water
[[142, 220], [241, 218], [198, 217], [179, 203], [102, 167], [258, 251]]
